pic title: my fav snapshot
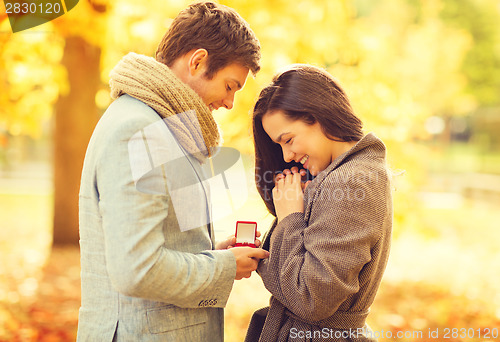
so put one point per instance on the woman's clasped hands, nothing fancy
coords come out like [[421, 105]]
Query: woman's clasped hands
[[288, 192]]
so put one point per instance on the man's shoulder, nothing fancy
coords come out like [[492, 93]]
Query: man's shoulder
[[127, 115], [127, 107]]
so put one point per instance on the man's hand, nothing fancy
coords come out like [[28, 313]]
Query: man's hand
[[247, 260], [225, 244], [230, 242]]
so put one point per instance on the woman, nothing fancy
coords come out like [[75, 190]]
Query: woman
[[330, 241]]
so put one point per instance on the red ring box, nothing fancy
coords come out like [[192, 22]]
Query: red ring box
[[246, 232]]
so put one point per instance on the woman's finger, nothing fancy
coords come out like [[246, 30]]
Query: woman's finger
[[297, 178], [278, 177]]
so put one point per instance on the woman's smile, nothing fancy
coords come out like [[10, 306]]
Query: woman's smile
[[304, 161], [296, 137]]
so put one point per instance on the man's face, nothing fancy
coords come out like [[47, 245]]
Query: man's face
[[220, 89]]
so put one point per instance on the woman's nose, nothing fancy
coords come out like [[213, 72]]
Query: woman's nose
[[288, 156]]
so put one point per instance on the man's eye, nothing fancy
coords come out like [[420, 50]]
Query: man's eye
[[288, 141], [228, 88]]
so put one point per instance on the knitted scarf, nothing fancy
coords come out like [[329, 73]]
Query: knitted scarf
[[153, 83]]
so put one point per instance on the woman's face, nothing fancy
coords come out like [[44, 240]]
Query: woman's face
[[300, 142]]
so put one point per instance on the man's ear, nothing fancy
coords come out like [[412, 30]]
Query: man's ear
[[197, 62]]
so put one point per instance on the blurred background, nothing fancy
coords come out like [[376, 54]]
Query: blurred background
[[424, 75]]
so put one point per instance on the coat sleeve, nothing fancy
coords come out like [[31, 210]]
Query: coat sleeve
[[314, 265], [134, 223]]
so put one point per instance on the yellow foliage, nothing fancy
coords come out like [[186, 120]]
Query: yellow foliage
[[397, 71], [31, 79]]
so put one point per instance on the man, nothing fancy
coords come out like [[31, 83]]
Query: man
[[149, 268]]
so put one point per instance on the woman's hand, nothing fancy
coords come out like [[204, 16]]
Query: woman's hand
[[288, 193]]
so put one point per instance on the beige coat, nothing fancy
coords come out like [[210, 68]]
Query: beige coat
[[326, 264]]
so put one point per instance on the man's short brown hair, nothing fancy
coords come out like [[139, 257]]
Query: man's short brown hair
[[216, 28]]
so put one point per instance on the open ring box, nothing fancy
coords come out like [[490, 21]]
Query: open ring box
[[246, 232]]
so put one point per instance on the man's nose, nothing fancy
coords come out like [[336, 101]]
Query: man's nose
[[228, 101]]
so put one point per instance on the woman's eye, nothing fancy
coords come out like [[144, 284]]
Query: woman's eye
[[228, 88], [288, 141]]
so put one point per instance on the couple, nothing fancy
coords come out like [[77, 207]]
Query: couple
[[151, 270]]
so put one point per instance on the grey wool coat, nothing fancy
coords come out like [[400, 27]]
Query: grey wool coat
[[326, 264], [143, 277]]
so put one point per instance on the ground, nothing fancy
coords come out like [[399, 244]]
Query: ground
[[441, 283]]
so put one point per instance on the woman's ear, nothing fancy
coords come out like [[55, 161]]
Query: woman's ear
[[197, 62]]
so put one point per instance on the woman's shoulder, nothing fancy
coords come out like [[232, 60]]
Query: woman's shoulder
[[366, 157], [364, 165], [369, 147]]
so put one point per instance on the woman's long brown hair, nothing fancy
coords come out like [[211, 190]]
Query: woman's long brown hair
[[301, 92]]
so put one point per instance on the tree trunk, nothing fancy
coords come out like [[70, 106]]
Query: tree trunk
[[76, 116]]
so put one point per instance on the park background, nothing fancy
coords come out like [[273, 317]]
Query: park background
[[424, 75]]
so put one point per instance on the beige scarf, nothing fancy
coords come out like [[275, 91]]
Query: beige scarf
[[153, 83]]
